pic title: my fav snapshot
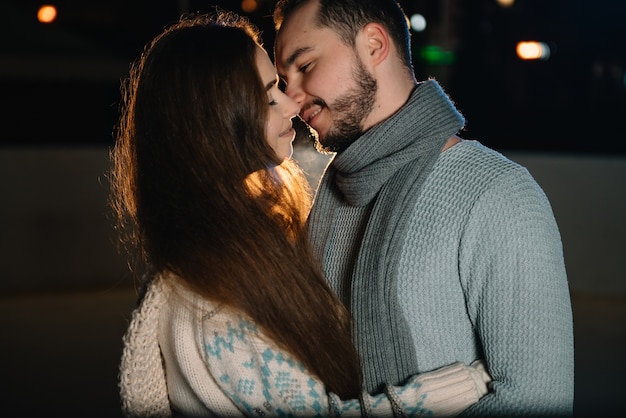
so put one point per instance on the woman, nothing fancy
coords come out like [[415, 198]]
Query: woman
[[237, 318]]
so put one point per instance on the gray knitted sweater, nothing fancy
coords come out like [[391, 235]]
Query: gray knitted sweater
[[453, 257]]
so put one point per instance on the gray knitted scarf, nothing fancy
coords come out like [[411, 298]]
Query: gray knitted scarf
[[386, 168]]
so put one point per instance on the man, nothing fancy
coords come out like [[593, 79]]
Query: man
[[443, 249]]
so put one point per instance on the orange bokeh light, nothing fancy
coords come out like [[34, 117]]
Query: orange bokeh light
[[532, 50], [249, 6], [47, 13]]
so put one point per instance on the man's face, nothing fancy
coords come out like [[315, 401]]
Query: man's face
[[325, 77]]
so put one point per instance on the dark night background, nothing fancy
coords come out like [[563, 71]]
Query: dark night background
[[66, 294], [60, 82]]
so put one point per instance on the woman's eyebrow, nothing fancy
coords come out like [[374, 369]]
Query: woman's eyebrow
[[271, 84]]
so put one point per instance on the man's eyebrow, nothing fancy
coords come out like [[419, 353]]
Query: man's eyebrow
[[294, 56]]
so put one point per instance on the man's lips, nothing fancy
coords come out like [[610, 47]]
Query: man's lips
[[311, 113]]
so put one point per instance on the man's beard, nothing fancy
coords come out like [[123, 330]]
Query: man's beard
[[349, 112]]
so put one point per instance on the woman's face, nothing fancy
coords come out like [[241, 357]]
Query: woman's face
[[279, 132]]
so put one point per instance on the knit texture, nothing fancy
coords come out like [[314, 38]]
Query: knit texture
[[478, 272], [486, 264], [143, 389], [219, 364], [376, 166]]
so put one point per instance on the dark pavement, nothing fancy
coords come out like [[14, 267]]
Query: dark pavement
[[61, 351]]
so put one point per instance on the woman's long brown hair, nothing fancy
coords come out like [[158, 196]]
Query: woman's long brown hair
[[197, 191]]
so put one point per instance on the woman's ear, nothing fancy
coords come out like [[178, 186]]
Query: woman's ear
[[377, 42]]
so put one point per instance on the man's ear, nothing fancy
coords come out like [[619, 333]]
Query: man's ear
[[377, 42]]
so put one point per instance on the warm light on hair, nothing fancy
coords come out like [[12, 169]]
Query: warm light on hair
[[47, 13]]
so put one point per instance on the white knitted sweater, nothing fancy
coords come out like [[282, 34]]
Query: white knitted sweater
[[185, 355]]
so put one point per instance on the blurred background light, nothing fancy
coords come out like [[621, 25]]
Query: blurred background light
[[435, 55], [46, 13], [505, 3], [249, 6], [532, 50], [418, 22]]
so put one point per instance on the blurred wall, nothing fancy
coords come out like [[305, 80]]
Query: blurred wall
[[55, 231], [56, 234], [588, 195]]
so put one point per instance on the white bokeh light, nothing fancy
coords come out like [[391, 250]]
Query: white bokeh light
[[418, 22]]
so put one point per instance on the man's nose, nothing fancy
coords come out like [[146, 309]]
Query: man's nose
[[295, 93], [291, 108]]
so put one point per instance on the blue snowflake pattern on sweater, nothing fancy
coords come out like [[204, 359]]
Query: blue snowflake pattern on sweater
[[261, 381]]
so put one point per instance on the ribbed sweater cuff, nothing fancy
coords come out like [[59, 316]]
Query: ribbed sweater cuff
[[444, 392]]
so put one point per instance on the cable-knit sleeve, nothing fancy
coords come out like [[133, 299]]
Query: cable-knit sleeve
[[143, 389]]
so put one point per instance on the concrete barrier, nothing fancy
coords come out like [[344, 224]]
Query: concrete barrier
[[56, 233]]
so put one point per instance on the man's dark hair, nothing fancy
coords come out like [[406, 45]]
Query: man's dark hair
[[348, 17]]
